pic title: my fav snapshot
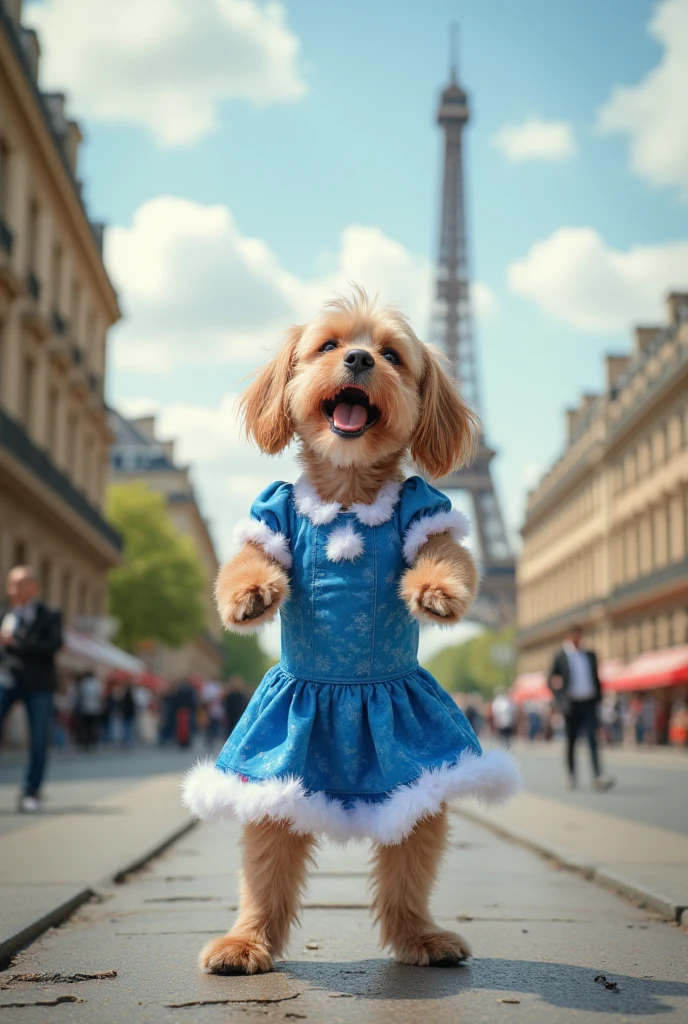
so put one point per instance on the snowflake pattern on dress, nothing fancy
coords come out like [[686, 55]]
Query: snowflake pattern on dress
[[348, 711]]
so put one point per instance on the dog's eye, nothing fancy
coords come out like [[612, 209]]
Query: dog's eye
[[330, 345], [391, 356]]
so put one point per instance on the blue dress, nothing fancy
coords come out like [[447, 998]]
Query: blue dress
[[348, 736]]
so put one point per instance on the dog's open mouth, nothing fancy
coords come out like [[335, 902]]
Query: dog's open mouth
[[350, 412]]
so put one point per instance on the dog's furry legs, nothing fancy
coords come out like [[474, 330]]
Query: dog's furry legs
[[402, 879], [275, 864]]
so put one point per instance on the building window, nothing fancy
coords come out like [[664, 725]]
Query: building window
[[71, 443], [4, 178], [46, 577], [19, 554], [66, 595], [82, 605], [75, 311], [56, 278], [32, 247], [28, 394], [53, 410]]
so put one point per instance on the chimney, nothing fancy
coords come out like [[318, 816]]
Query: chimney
[[677, 307], [645, 337], [616, 365], [571, 420], [98, 231], [168, 449], [71, 145], [55, 102], [146, 426], [32, 50]]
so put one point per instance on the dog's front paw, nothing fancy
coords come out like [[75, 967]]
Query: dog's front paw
[[439, 948], [433, 591], [233, 954], [248, 602]]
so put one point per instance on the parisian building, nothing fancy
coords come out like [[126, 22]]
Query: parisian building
[[138, 455], [605, 538], [56, 306]]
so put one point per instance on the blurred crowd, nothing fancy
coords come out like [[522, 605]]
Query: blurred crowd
[[90, 712], [636, 719]]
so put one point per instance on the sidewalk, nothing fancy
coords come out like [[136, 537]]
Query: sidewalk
[[52, 863], [541, 938]]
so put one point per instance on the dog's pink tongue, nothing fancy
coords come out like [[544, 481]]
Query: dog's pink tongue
[[349, 417]]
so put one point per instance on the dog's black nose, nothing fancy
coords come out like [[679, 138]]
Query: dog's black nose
[[358, 359]]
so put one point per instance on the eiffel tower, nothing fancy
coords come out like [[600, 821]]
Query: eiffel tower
[[452, 331]]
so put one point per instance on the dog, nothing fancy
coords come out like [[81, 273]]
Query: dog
[[362, 395]]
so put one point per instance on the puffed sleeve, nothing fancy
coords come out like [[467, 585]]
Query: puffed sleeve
[[425, 511], [268, 525]]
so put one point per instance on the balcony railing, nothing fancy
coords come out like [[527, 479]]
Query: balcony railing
[[77, 355], [15, 440], [6, 238], [33, 286]]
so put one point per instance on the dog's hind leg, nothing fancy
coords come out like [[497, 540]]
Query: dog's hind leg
[[402, 880], [275, 866]]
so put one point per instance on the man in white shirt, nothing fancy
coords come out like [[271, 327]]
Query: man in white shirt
[[575, 683]]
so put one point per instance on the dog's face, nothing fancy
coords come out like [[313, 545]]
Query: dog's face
[[356, 386]]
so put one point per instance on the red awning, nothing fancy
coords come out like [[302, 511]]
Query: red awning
[[667, 667], [530, 686]]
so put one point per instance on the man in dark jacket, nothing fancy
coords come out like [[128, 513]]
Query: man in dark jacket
[[30, 637], [575, 683]]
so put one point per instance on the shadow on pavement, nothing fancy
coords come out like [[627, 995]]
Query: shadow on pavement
[[560, 985]]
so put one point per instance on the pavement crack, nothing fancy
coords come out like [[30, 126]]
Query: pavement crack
[[258, 1001], [42, 1002], [55, 979]]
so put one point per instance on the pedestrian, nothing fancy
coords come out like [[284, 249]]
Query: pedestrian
[[128, 711], [235, 703], [30, 637], [575, 683], [504, 715], [89, 710], [185, 705]]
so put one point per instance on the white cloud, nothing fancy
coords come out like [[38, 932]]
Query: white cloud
[[195, 290], [536, 140], [577, 278], [653, 113], [166, 65]]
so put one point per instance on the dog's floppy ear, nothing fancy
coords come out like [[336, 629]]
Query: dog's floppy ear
[[448, 429], [264, 407]]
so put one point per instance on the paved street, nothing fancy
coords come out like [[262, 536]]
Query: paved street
[[541, 938], [652, 785]]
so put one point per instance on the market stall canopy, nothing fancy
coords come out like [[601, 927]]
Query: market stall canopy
[[667, 667], [103, 655], [530, 686]]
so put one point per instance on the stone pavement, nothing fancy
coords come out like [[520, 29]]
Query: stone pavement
[[53, 862], [544, 940], [599, 834]]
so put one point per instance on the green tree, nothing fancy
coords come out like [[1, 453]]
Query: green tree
[[478, 664], [244, 657], [157, 593]]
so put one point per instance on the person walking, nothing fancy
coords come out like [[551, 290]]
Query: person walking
[[504, 716], [30, 637], [575, 683], [89, 710]]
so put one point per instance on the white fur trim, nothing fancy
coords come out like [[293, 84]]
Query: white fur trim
[[344, 544], [419, 533], [309, 504], [382, 508], [212, 794], [274, 544]]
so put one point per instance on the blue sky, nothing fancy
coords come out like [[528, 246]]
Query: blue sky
[[230, 219]]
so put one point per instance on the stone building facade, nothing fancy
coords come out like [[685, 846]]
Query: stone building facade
[[56, 305], [138, 455], [605, 539]]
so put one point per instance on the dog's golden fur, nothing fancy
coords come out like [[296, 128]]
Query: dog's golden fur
[[421, 414]]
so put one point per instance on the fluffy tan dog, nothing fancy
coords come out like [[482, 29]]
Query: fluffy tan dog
[[361, 394]]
